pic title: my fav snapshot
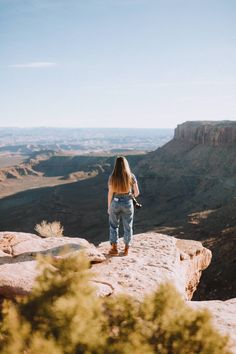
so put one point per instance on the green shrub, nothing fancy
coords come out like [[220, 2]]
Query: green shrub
[[63, 315]]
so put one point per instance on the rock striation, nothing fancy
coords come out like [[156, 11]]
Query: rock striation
[[17, 172], [213, 133]]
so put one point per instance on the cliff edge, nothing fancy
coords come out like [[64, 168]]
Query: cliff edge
[[211, 133], [154, 258]]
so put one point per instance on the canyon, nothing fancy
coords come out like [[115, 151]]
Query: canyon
[[188, 190]]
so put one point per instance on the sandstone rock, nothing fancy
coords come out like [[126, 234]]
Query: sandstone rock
[[16, 172], [16, 278], [103, 288], [25, 244], [224, 316], [207, 132], [159, 256], [17, 259], [195, 258], [153, 259]]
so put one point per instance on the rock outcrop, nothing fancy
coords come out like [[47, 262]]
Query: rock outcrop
[[17, 172], [18, 251], [224, 316], [207, 132], [153, 258]]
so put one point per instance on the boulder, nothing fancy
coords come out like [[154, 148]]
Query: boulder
[[18, 251]]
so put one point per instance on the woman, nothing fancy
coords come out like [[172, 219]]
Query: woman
[[122, 185]]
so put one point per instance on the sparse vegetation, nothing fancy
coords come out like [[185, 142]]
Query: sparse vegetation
[[64, 315], [49, 229]]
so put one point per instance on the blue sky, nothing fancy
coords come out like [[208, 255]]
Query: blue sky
[[116, 63]]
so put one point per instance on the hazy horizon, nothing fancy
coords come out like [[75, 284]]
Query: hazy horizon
[[109, 128], [71, 127]]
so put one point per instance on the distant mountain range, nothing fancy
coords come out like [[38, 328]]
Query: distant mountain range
[[87, 140]]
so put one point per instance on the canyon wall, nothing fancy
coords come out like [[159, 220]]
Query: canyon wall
[[212, 133]]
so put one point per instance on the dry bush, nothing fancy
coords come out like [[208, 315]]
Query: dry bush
[[49, 229], [63, 315]]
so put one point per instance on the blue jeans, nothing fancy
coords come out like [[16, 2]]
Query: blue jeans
[[121, 208]]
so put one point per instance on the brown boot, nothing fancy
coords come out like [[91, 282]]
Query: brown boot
[[113, 251], [126, 250]]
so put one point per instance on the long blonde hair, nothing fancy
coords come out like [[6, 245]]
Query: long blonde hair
[[121, 177]]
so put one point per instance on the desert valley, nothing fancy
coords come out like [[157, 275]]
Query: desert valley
[[188, 190]]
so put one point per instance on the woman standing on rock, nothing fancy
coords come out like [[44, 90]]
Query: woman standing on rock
[[122, 185]]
